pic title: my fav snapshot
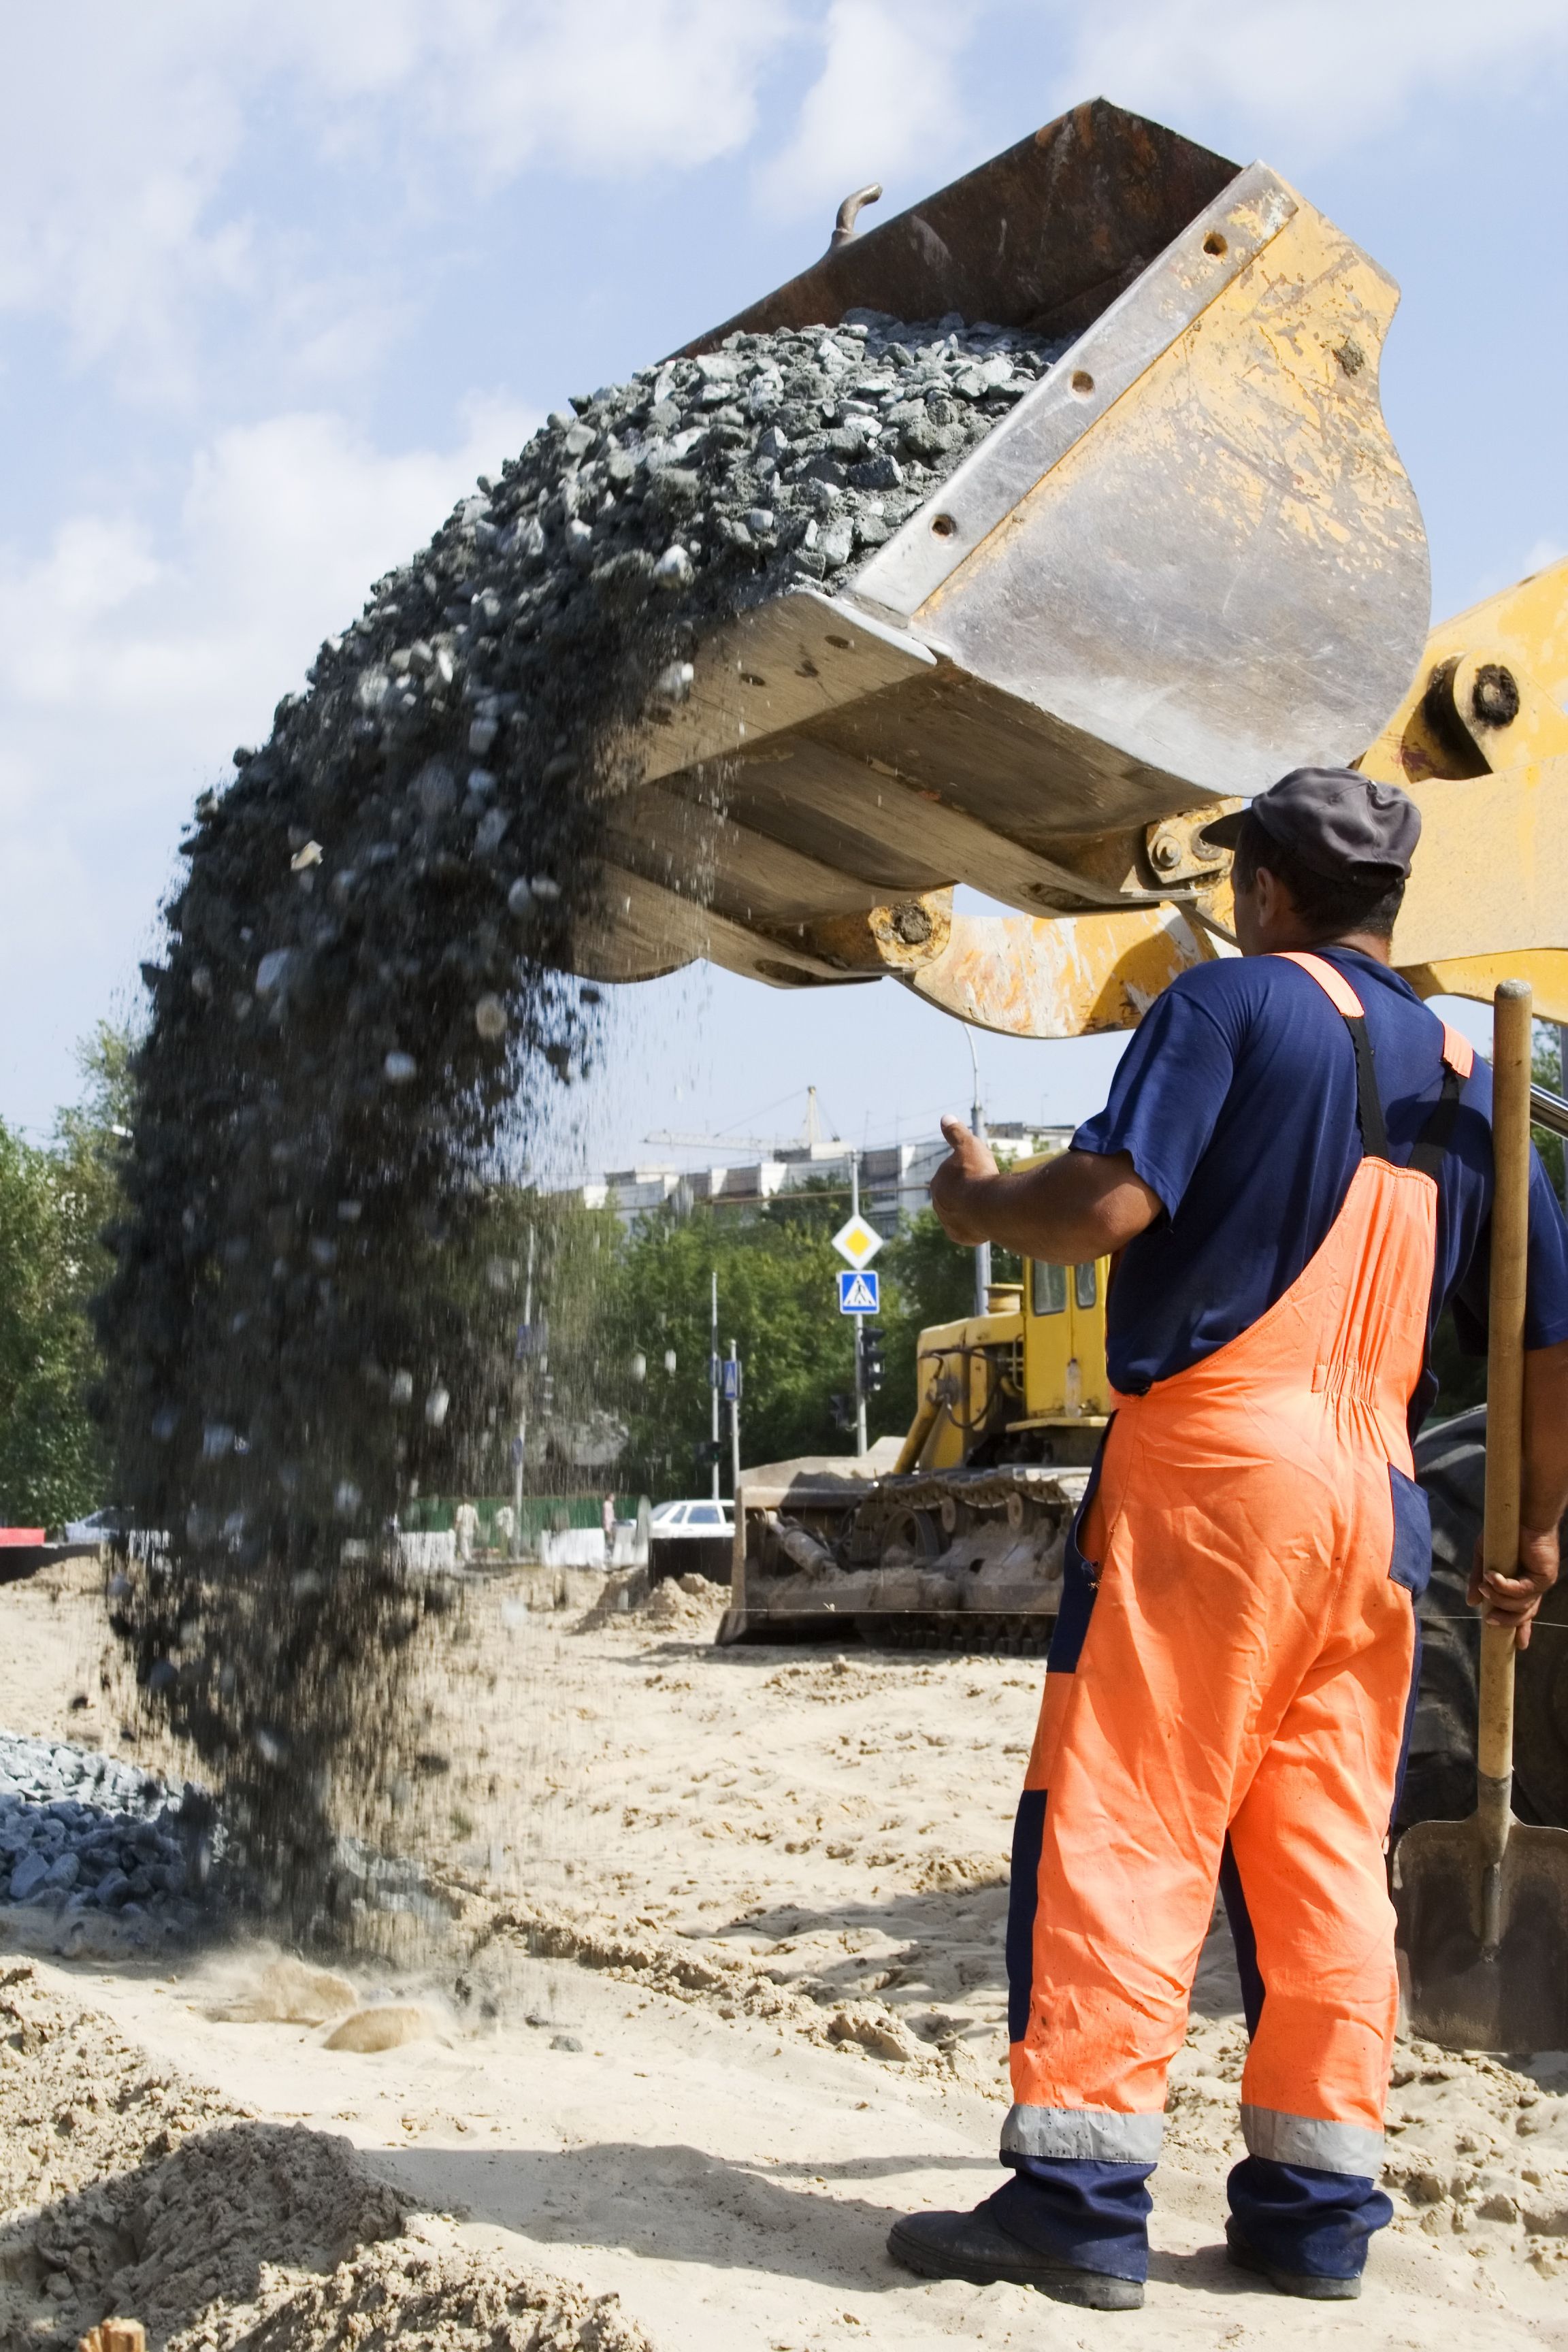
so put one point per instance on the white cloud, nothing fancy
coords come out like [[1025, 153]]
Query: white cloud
[[888, 101], [1320, 72], [884, 100], [152, 159], [149, 157], [133, 660], [609, 88], [281, 526]]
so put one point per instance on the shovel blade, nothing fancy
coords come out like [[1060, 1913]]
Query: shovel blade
[[1456, 1992]]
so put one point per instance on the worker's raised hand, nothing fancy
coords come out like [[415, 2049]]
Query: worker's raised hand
[[1514, 1599], [958, 1188]]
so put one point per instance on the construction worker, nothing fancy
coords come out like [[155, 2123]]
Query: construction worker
[[466, 1528], [1295, 1165]]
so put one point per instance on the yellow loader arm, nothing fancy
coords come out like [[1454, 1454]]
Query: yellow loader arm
[[1480, 743], [1480, 740]]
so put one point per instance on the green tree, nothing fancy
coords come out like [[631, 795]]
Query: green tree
[[85, 1151], [54, 1204], [561, 1262], [776, 1301]]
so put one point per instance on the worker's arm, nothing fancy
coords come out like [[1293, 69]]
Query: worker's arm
[[1080, 1206], [1543, 1498]]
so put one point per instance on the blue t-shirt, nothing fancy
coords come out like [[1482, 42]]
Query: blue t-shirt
[[1236, 1100]]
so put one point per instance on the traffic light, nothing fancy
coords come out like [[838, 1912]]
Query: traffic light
[[707, 1451], [872, 1365], [843, 1408]]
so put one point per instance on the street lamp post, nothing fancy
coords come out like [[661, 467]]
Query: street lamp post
[[734, 1420], [520, 1443], [983, 1250]]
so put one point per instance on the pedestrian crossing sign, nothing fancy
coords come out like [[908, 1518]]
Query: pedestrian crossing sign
[[858, 1243], [859, 1294]]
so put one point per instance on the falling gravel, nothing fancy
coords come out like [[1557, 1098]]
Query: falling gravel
[[365, 1019]]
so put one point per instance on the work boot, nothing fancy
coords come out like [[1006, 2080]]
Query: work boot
[[972, 2246], [1312, 2284]]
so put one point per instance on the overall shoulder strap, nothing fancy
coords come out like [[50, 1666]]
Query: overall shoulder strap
[[1459, 1061], [1458, 1053], [1345, 1000], [1333, 982]]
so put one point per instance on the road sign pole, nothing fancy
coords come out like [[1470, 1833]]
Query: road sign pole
[[859, 1376], [858, 1243], [735, 1421], [520, 1448], [714, 1375], [983, 1252]]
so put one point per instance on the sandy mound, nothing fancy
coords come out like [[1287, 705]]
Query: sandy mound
[[685, 1608], [123, 2189], [386, 2026], [415, 2297], [126, 2190]]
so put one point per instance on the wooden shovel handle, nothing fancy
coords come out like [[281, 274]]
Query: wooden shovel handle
[[1511, 1043]]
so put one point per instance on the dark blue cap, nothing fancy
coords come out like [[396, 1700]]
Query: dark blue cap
[[1335, 822]]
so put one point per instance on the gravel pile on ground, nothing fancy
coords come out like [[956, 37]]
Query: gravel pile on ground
[[80, 1834], [363, 1012]]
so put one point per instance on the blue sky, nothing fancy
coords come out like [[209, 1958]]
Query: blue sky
[[277, 280]]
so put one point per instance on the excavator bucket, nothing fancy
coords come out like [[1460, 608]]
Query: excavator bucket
[[1187, 559]]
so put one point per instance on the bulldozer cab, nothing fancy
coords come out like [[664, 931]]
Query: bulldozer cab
[[1064, 1384], [1025, 1381]]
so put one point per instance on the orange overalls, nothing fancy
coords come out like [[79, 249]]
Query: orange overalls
[[1233, 1661]]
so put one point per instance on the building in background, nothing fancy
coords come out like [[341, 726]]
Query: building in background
[[893, 1177]]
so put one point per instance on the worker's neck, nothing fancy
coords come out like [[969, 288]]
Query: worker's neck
[[1367, 943], [1292, 938]]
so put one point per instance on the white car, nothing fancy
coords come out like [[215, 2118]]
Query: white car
[[691, 1538], [693, 1519], [101, 1527]]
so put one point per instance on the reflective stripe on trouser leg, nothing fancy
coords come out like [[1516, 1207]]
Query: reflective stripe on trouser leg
[[1307, 2140], [1093, 2135]]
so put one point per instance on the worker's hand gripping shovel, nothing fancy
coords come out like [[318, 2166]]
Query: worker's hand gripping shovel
[[1483, 1903]]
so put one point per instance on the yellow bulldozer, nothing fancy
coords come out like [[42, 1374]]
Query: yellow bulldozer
[[1187, 560]]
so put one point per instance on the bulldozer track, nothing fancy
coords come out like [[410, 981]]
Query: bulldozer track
[[981, 1490]]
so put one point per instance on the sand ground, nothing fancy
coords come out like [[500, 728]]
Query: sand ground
[[723, 1994]]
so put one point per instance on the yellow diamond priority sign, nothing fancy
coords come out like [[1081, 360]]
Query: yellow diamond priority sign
[[858, 1243]]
